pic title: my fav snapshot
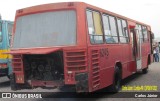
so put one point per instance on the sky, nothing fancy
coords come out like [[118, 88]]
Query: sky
[[146, 11]]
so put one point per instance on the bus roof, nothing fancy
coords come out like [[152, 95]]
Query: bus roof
[[65, 5]]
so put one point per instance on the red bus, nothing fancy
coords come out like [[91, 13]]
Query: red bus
[[77, 44]]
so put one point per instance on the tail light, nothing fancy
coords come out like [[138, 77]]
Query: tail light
[[3, 65]]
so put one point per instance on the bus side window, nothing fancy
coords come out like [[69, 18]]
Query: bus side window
[[123, 30], [110, 29], [0, 32], [94, 27], [145, 34]]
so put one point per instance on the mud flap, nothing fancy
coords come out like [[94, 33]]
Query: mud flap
[[82, 82]]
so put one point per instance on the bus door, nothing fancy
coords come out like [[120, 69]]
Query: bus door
[[136, 46], [139, 38]]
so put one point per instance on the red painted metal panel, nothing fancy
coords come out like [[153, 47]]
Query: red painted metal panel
[[75, 61]]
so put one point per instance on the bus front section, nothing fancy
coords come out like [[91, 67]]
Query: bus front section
[[44, 53]]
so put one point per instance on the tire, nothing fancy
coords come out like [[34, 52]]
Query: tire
[[117, 81], [145, 70], [13, 83]]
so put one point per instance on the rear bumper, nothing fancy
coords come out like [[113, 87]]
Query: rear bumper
[[37, 83]]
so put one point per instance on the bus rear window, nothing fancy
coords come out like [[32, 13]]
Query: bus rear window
[[47, 29]]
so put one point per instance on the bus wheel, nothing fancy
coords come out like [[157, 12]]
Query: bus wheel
[[145, 70], [117, 80], [13, 83]]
